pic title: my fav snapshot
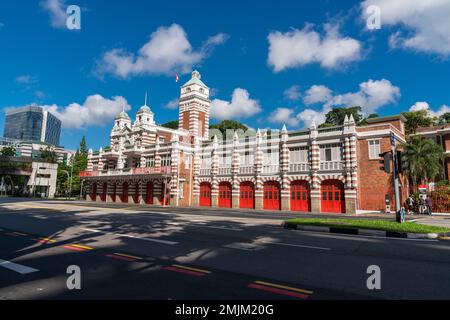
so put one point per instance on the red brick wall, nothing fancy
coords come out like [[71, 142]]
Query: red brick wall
[[446, 142], [374, 183]]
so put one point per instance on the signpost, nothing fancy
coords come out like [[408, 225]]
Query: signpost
[[396, 184]]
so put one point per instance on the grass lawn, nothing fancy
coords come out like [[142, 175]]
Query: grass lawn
[[383, 225]]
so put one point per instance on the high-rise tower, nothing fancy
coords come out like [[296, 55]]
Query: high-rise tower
[[194, 107]]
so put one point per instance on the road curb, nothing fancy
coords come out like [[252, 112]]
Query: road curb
[[365, 232]]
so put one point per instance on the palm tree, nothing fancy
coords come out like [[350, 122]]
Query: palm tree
[[424, 159]]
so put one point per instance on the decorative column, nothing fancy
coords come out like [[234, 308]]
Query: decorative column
[[174, 183], [284, 169], [315, 166], [214, 173], [351, 166], [259, 199], [196, 168], [235, 164], [157, 186]]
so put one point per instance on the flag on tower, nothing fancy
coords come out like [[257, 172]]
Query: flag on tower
[[177, 78]]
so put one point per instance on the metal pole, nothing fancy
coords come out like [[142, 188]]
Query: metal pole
[[165, 191], [81, 189], [396, 184]]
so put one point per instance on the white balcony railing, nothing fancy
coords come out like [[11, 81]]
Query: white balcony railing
[[247, 169], [224, 170], [270, 168], [331, 165], [299, 167], [205, 172]]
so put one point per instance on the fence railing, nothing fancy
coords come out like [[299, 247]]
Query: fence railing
[[224, 170], [299, 167], [205, 172], [247, 169], [331, 165], [271, 168]]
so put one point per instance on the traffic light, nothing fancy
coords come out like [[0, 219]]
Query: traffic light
[[402, 161], [385, 162]]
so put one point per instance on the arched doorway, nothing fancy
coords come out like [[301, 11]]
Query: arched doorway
[[104, 191], [125, 193], [137, 192], [272, 195], [247, 195], [300, 196], [149, 193], [205, 194], [225, 195], [333, 196], [114, 193], [94, 192]]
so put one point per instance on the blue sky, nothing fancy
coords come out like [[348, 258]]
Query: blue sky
[[267, 63]]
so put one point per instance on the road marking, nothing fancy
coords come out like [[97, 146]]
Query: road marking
[[17, 267], [119, 257], [243, 246], [184, 271], [278, 291], [218, 227], [82, 247], [190, 268], [133, 237], [45, 240], [284, 287], [128, 256], [70, 247], [295, 245]]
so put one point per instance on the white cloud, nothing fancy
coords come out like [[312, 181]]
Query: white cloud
[[95, 111], [426, 106], [2, 25], [423, 25], [284, 116], [241, 106], [297, 48], [371, 95], [167, 52], [316, 94], [26, 79], [292, 93], [57, 12], [172, 104]]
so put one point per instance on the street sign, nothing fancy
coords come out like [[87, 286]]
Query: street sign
[[392, 139]]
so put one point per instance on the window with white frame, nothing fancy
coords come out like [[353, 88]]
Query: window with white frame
[[187, 161], [206, 161], [166, 160], [331, 152], [271, 156], [247, 159], [299, 154], [181, 189], [225, 160], [374, 149]]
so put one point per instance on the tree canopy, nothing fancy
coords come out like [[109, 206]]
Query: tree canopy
[[336, 116], [8, 152], [228, 124], [415, 119], [171, 124]]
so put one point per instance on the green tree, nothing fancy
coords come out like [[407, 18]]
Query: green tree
[[49, 155], [372, 115], [415, 119], [8, 152], [424, 159], [445, 118], [336, 116], [228, 124], [171, 124]]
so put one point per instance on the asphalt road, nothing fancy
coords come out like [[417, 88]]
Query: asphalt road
[[128, 252]]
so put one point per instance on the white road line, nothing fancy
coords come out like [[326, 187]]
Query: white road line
[[171, 243], [295, 245], [17, 267]]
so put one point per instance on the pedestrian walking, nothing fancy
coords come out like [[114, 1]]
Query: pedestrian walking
[[429, 206], [410, 204]]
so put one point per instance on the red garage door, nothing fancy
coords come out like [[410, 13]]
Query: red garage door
[[149, 193], [104, 191], [247, 195], [225, 195], [125, 193], [272, 195], [333, 198], [300, 197], [205, 194], [94, 192]]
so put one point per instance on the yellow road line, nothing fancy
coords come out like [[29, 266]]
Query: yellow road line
[[192, 269], [127, 256], [284, 287], [48, 240], [81, 246]]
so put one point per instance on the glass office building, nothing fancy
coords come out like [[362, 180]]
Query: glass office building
[[32, 124]]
